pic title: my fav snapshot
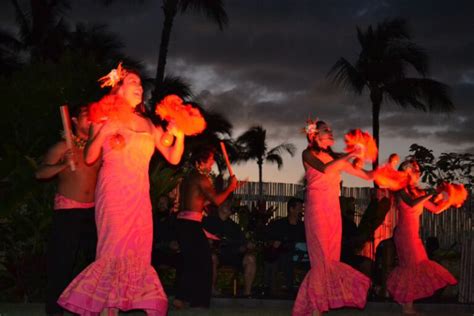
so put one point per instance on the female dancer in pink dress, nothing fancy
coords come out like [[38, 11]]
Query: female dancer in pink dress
[[415, 276], [122, 276], [329, 283]]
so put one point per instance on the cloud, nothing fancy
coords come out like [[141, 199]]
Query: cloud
[[269, 65]]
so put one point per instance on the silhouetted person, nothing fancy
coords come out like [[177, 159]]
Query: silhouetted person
[[197, 190], [73, 226], [232, 248], [281, 237]]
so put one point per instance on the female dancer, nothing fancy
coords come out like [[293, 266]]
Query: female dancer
[[329, 283], [122, 276], [415, 276]]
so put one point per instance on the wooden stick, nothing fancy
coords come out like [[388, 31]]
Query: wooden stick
[[226, 157], [67, 131]]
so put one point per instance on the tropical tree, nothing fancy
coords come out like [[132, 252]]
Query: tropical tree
[[213, 9], [42, 28], [387, 58], [451, 167], [172, 85], [253, 146]]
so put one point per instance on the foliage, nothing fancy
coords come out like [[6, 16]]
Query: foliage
[[451, 167], [163, 179], [23, 232], [60, 66]]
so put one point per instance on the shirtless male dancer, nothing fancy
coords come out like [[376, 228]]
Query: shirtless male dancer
[[194, 286], [73, 225]]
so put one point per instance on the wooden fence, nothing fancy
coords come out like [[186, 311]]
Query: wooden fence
[[454, 228], [274, 194]]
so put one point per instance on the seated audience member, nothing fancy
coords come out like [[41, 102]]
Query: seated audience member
[[232, 249], [281, 237]]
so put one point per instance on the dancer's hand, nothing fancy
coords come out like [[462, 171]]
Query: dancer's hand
[[173, 129], [443, 196], [69, 157]]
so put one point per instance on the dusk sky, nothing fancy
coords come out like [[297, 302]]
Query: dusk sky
[[269, 66]]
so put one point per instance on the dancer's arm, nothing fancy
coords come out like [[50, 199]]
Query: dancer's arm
[[413, 201], [333, 166], [437, 208], [55, 161], [361, 173], [173, 153], [210, 193], [97, 135]]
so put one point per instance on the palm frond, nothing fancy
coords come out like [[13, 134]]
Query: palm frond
[[275, 158], [345, 75], [96, 39], [420, 93], [391, 29], [278, 150], [8, 41], [410, 53], [174, 85], [22, 19], [213, 9], [252, 144], [217, 123]]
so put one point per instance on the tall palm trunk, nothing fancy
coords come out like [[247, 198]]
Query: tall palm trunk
[[260, 179], [376, 98], [170, 8]]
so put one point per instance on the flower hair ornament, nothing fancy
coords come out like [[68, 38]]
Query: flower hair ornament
[[311, 127], [113, 77]]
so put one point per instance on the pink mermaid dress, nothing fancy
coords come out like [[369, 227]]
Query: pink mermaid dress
[[415, 276], [329, 283], [122, 276]]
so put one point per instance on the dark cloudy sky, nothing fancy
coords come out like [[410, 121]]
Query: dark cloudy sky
[[268, 66]]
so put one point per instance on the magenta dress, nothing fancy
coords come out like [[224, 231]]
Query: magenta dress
[[329, 283], [122, 276], [415, 276]]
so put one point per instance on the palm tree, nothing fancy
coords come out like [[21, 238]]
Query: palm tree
[[253, 146], [42, 28], [213, 9], [386, 58]]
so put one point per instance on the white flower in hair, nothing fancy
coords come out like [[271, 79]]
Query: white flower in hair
[[113, 77], [311, 127]]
